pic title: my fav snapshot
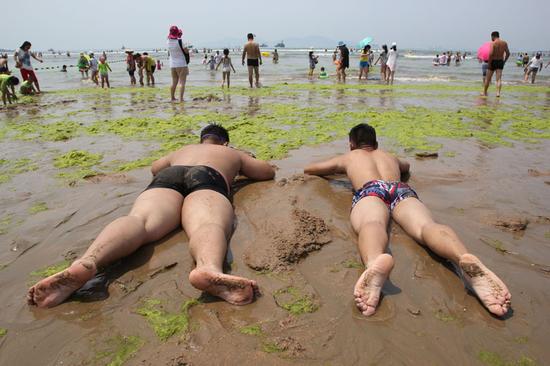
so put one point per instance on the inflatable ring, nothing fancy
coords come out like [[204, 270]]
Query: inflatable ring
[[265, 54], [323, 76]]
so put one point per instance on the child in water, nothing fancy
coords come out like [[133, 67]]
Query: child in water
[[8, 82], [212, 63], [104, 69], [226, 68], [323, 74], [64, 69], [312, 62]]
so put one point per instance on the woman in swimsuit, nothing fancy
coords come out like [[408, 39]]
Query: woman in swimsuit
[[364, 62], [383, 58]]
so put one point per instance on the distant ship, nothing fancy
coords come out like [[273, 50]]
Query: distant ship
[[264, 45], [280, 45]]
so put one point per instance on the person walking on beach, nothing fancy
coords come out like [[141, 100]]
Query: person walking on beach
[[343, 62], [383, 58], [534, 66], [94, 68], [497, 58], [392, 63], [190, 189], [179, 61], [131, 66], [251, 51], [380, 195], [364, 64], [312, 62], [22, 59], [104, 69], [227, 65], [149, 65], [139, 66], [83, 65]]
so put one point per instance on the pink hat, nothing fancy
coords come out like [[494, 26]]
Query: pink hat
[[175, 32]]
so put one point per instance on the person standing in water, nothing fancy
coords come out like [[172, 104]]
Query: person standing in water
[[251, 51], [191, 188], [227, 65], [179, 59], [498, 56], [93, 68], [343, 62], [131, 66], [534, 66], [312, 62], [139, 67], [22, 59], [364, 62], [383, 58], [104, 69], [379, 196], [149, 65], [4, 69], [275, 56], [392, 63]]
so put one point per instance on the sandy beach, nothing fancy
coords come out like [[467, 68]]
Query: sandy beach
[[73, 160]]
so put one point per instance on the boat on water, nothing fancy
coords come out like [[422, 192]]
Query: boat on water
[[264, 45], [280, 45]]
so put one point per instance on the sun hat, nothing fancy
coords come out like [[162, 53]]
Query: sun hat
[[129, 51], [393, 44], [341, 44], [175, 32]]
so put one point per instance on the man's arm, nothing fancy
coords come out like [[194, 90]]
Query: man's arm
[[244, 54], [404, 166], [160, 164], [256, 169], [259, 53], [332, 166], [506, 51]]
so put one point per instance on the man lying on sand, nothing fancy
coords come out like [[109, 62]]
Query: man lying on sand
[[191, 187], [379, 195]]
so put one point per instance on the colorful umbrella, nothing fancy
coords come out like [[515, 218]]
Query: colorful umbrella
[[484, 51], [364, 42]]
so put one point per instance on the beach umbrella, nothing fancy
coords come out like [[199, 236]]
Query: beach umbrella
[[364, 42], [484, 51]]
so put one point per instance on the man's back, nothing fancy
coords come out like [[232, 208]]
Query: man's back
[[362, 166], [252, 50], [500, 48]]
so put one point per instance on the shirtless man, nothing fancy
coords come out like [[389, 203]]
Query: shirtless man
[[190, 187], [380, 195], [497, 58], [251, 51]]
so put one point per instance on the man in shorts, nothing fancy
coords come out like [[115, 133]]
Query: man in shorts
[[379, 194], [251, 51], [191, 188], [23, 62], [497, 58]]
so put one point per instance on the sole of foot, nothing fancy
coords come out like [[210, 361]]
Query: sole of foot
[[235, 290], [490, 290], [55, 289], [368, 287]]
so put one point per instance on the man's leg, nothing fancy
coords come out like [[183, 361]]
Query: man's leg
[[488, 79], [369, 218], [415, 218], [207, 218], [257, 75], [155, 213], [250, 71], [499, 81]]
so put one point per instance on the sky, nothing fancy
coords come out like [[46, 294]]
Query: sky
[[413, 24]]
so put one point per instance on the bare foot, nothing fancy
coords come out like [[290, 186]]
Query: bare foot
[[53, 290], [235, 290], [368, 287], [488, 287], [483, 94]]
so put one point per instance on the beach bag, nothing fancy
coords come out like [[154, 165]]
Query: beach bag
[[185, 54]]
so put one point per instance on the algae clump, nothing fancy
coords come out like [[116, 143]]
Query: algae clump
[[121, 350], [254, 329], [270, 347], [51, 270], [38, 207], [294, 302], [494, 359], [80, 159], [3, 332], [10, 168], [166, 324]]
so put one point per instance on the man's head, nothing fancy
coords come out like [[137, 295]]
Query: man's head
[[214, 134], [250, 36], [537, 56], [495, 35], [362, 136]]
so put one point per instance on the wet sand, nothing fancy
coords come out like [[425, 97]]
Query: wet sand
[[293, 236]]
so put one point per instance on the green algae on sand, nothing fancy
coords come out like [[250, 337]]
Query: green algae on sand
[[11, 168], [271, 347], [79, 159], [254, 329], [120, 350], [38, 207], [166, 324], [290, 299], [3, 332], [50, 270], [494, 359]]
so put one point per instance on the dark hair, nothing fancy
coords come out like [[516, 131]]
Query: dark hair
[[385, 48], [367, 47], [322, 68], [145, 54], [363, 135], [13, 80], [215, 130], [25, 44], [137, 55], [250, 36], [310, 54], [226, 51], [495, 34]]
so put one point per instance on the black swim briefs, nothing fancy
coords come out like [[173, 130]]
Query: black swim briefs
[[253, 62], [496, 65], [188, 179]]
